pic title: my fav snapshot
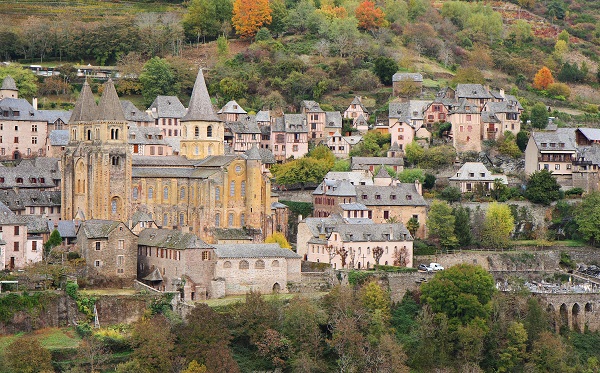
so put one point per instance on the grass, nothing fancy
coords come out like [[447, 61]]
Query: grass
[[565, 243], [54, 339], [242, 298], [108, 292]]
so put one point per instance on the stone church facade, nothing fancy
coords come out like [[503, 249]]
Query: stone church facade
[[198, 192]]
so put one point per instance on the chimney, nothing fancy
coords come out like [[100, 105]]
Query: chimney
[[419, 187], [34, 103], [502, 92]]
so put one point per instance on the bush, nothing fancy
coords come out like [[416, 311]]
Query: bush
[[566, 261], [71, 289], [450, 194], [422, 248], [559, 89], [574, 192]]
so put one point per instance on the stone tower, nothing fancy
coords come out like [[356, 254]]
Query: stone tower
[[9, 88], [202, 132], [258, 194], [96, 179]]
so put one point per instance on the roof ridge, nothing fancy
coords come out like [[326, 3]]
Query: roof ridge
[[200, 107]]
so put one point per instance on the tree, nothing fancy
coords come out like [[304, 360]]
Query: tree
[[249, 16], [450, 194], [279, 238], [414, 153], [54, 240], [539, 116], [542, 187], [498, 224], [205, 18], [375, 299], [195, 367], [369, 16], [514, 353], [91, 351], [24, 78], [377, 254], [26, 355], [385, 68], [543, 78], [586, 214], [153, 344], [158, 78], [462, 225], [470, 75], [301, 171], [440, 223], [522, 140], [462, 292], [413, 226], [549, 354]]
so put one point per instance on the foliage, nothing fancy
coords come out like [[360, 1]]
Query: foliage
[[507, 145], [153, 344], [543, 78], [539, 116], [461, 292], [414, 153], [195, 367], [373, 144], [498, 224], [542, 187], [450, 194], [523, 139], [24, 78], [440, 224], [249, 16], [566, 261], [559, 90], [410, 175], [413, 226], [54, 240], [301, 171], [358, 278], [31, 303], [278, 238], [385, 68], [26, 355], [468, 75], [71, 289], [301, 208], [429, 181], [571, 73], [587, 214], [158, 78], [206, 18], [462, 225], [369, 16]]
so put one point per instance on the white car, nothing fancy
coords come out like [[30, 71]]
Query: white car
[[436, 267]]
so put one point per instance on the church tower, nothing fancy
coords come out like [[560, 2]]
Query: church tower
[[96, 178], [202, 132], [9, 88]]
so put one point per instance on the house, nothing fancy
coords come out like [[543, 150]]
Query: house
[[475, 94], [474, 176], [354, 243], [407, 84], [499, 117], [587, 136], [267, 268], [554, 151], [371, 163], [109, 249], [586, 168], [56, 143], [67, 230], [21, 247], [242, 134], [167, 112], [467, 131], [28, 201], [40, 173], [333, 122], [231, 112], [315, 119], [289, 137], [148, 141], [341, 145], [404, 120], [135, 116], [355, 111]]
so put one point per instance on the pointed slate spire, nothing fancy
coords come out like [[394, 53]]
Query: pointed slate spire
[[200, 108], [85, 109], [253, 153], [383, 173], [110, 108], [8, 84]]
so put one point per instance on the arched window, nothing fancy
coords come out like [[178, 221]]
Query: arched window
[[217, 194], [227, 264], [113, 206], [150, 193], [275, 263], [209, 131], [181, 218], [244, 264], [242, 220], [260, 264], [196, 150], [115, 160], [89, 134], [230, 219], [182, 193], [243, 188], [165, 220], [196, 131], [134, 193], [166, 193], [232, 189], [114, 133], [217, 220]]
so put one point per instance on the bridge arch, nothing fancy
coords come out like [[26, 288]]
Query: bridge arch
[[577, 318], [563, 317]]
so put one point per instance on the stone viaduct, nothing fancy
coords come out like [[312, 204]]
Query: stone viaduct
[[576, 311]]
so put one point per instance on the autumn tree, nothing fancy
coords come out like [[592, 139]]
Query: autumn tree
[[249, 16], [26, 355], [497, 226], [278, 238], [153, 344], [543, 78], [369, 16]]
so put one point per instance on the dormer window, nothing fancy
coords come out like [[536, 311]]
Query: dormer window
[[32, 180], [482, 174], [19, 180], [393, 196], [364, 196], [409, 197], [544, 144], [16, 113], [377, 196], [471, 174], [552, 144]]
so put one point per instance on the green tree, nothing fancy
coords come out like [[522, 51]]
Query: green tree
[[450, 194], [26, 355], [153, 344], [539, 116], [413, 226], [440, 224], [587, 214], [414, 153], [462, 292], [24, 78], [468, 75], [385, 68], [374, 144], [522, 140], [462, 225], [542, 187], [497, 226], [409, 175], [514, 353], [158, 78], [301, 324], [549, 354], [278, 238], [279, 14], [195, 367], [375, 299], [322, 153], [205, 18], [54, 240], [301, 171]]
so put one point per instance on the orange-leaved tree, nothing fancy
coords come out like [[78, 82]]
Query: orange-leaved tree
[[543, 78], [249, 16], [369, 16]]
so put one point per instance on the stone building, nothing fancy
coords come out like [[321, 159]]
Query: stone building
[[358, 113], [474, 177], [554, 151], [109, 249], [167, 112], [22, 237], [407, 84]]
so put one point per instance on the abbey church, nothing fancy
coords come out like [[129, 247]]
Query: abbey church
[[202, 190]]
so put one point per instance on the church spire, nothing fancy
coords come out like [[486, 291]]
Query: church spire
[[200, 108], [85, 109], [110, 108]]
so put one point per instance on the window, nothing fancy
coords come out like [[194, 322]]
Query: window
[[275, 263], [209, 131], [377, 196], [205, 255], [166, 193], [243, 188], [152, 150], [16, 140], [34, 246], [97, 263], [165, 220], [97, 245], [408, 197], [182, 193], [114, 133], [217, 194], [468, 117], [386, 214], [113, 206], [259, 264], [557, 167], [150, 193], [230, 219], [121, 244], [114, 160], [295, 148], [232, 189], [364, 196], [32, 210], [16, 246], [134, 193], [244, 264], [181, 218], [393, 196], [16, 230], [34, 140], [120, 260], [227, 264], [196, 131]]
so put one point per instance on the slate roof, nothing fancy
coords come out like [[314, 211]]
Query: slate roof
[[311, 106], [267, 156], [294, 123], [109, 107], [357, 101], [415, 77], [489, 117], [408, 111], [333, 119], [85, 109], [335, 188], [592, 134], [355, 177], [383, 173], [155, 275], [216, 160], [472, 91], [59, 137], [230, 234], [502, 107], [140, 216], [164, 161], [373, 232], [363, 163], [200, 107], [352, 140], [36, 224], [259, 250], [263, 116], [171, 239], [353, 207], [462, 106], [476, 169], [589, 154], [565, 136], [98, 228], [133, 114], [38, 168], [7, 217], [167, 107], [245, 124], [9, 84], [66, 228], [145, 135], [52, 116], [19, 198], [278, 205], [21, 106], [232, 107], [401, 191], [162, 172], [253, 153]]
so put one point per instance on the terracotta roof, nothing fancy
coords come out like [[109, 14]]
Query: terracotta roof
[[200, 108]]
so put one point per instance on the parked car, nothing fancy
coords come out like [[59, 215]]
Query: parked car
[[436, 267], [424, 268]]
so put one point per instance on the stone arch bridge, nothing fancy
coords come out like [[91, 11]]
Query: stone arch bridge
[[575, 311]]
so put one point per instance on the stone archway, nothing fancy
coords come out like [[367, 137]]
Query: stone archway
[[563, 317], [552, 313], [576, 318], [276, 287]]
